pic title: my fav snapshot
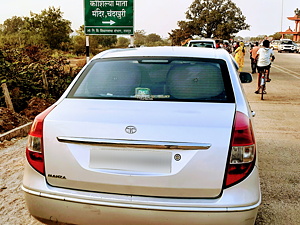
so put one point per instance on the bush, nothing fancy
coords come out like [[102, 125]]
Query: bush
[[33, 72]]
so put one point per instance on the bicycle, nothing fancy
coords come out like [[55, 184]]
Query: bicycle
[[263, 84]]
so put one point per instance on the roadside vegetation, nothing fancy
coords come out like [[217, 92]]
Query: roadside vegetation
[[36, 54], [36, 51]]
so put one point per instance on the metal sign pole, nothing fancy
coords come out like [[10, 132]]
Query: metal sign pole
[[87, 48]]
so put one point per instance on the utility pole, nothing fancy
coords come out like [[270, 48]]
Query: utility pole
[[281, 15]]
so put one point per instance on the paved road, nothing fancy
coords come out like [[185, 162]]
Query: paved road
[[277, 125]]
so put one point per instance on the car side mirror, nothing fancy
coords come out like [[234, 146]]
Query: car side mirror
[[246, 77]]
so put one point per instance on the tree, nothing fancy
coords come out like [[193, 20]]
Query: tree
[[123, 42], [153, 38], [139, 37], [276, 36], [13, 25], [259, 38], [51, 26], [181, 35], [212, 19], [96, 42], [12, 32], [46, 29], [105, 41]]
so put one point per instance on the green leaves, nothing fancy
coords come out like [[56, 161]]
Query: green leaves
[[48, 29], [23, 71], [211, 19]]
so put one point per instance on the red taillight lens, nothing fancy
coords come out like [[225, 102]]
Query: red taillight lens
[[34, 148], [242, 154]]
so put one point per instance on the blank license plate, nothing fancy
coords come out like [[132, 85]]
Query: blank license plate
[[130, 160]]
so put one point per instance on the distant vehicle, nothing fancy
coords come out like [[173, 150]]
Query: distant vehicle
[[297, 47], [226, 42], [274, 44], [204, 43], [153, 135], [286, 45]]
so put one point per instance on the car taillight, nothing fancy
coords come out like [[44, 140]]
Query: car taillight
[[34, 148], [242, 154]]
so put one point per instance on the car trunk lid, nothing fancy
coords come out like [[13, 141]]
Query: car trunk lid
[[149, 148]]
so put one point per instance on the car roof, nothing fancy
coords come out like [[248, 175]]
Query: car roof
[[203, 40], [166, 51]]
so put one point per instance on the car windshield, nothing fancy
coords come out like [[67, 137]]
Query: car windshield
[[203, 44], [287, 42], [155, 79]]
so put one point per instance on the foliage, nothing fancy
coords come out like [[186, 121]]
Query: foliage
[[97, 42], [33, 72], [178, 36], [45, 29], [14, 25], [259, 38], [276, 36], [123, 42], [210, 19], [289, 36], [139, 38], [153, 38], [51, 25], [142, 39]]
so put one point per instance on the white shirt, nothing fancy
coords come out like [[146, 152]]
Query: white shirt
[[264, 58]]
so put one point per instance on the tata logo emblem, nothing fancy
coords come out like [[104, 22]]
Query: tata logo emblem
[[130, 129]]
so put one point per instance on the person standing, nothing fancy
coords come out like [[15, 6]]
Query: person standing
[[227, 47], [253, 54], [264, 57], [218, 44], [240, 55]]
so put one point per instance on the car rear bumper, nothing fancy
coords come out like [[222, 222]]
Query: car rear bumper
[[236, 205], [81, 213]]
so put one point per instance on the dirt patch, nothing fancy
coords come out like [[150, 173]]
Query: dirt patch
[[35, 107], [10, 120]]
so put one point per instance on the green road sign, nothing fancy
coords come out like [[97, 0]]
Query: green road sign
[[108, 17]]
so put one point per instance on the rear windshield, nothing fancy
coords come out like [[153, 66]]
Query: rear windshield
[[202, 44], [155, 79]]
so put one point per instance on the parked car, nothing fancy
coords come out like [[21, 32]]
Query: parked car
[[158, 135], [297, 45], [286, 45], [274, 44], [204, 43]]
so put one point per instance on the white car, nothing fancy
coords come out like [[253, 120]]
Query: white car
[[204, 43], [286, 45], [274, 44], [159, 135], [297, 45]]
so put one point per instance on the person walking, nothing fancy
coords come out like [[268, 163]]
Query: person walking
[[240, 55], [264, 57], [253, 54]]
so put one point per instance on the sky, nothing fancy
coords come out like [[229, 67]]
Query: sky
[[265, 17]]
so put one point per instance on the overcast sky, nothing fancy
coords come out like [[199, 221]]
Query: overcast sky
[[161, 16]]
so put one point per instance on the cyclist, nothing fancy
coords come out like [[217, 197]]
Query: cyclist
[[264, 57]]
